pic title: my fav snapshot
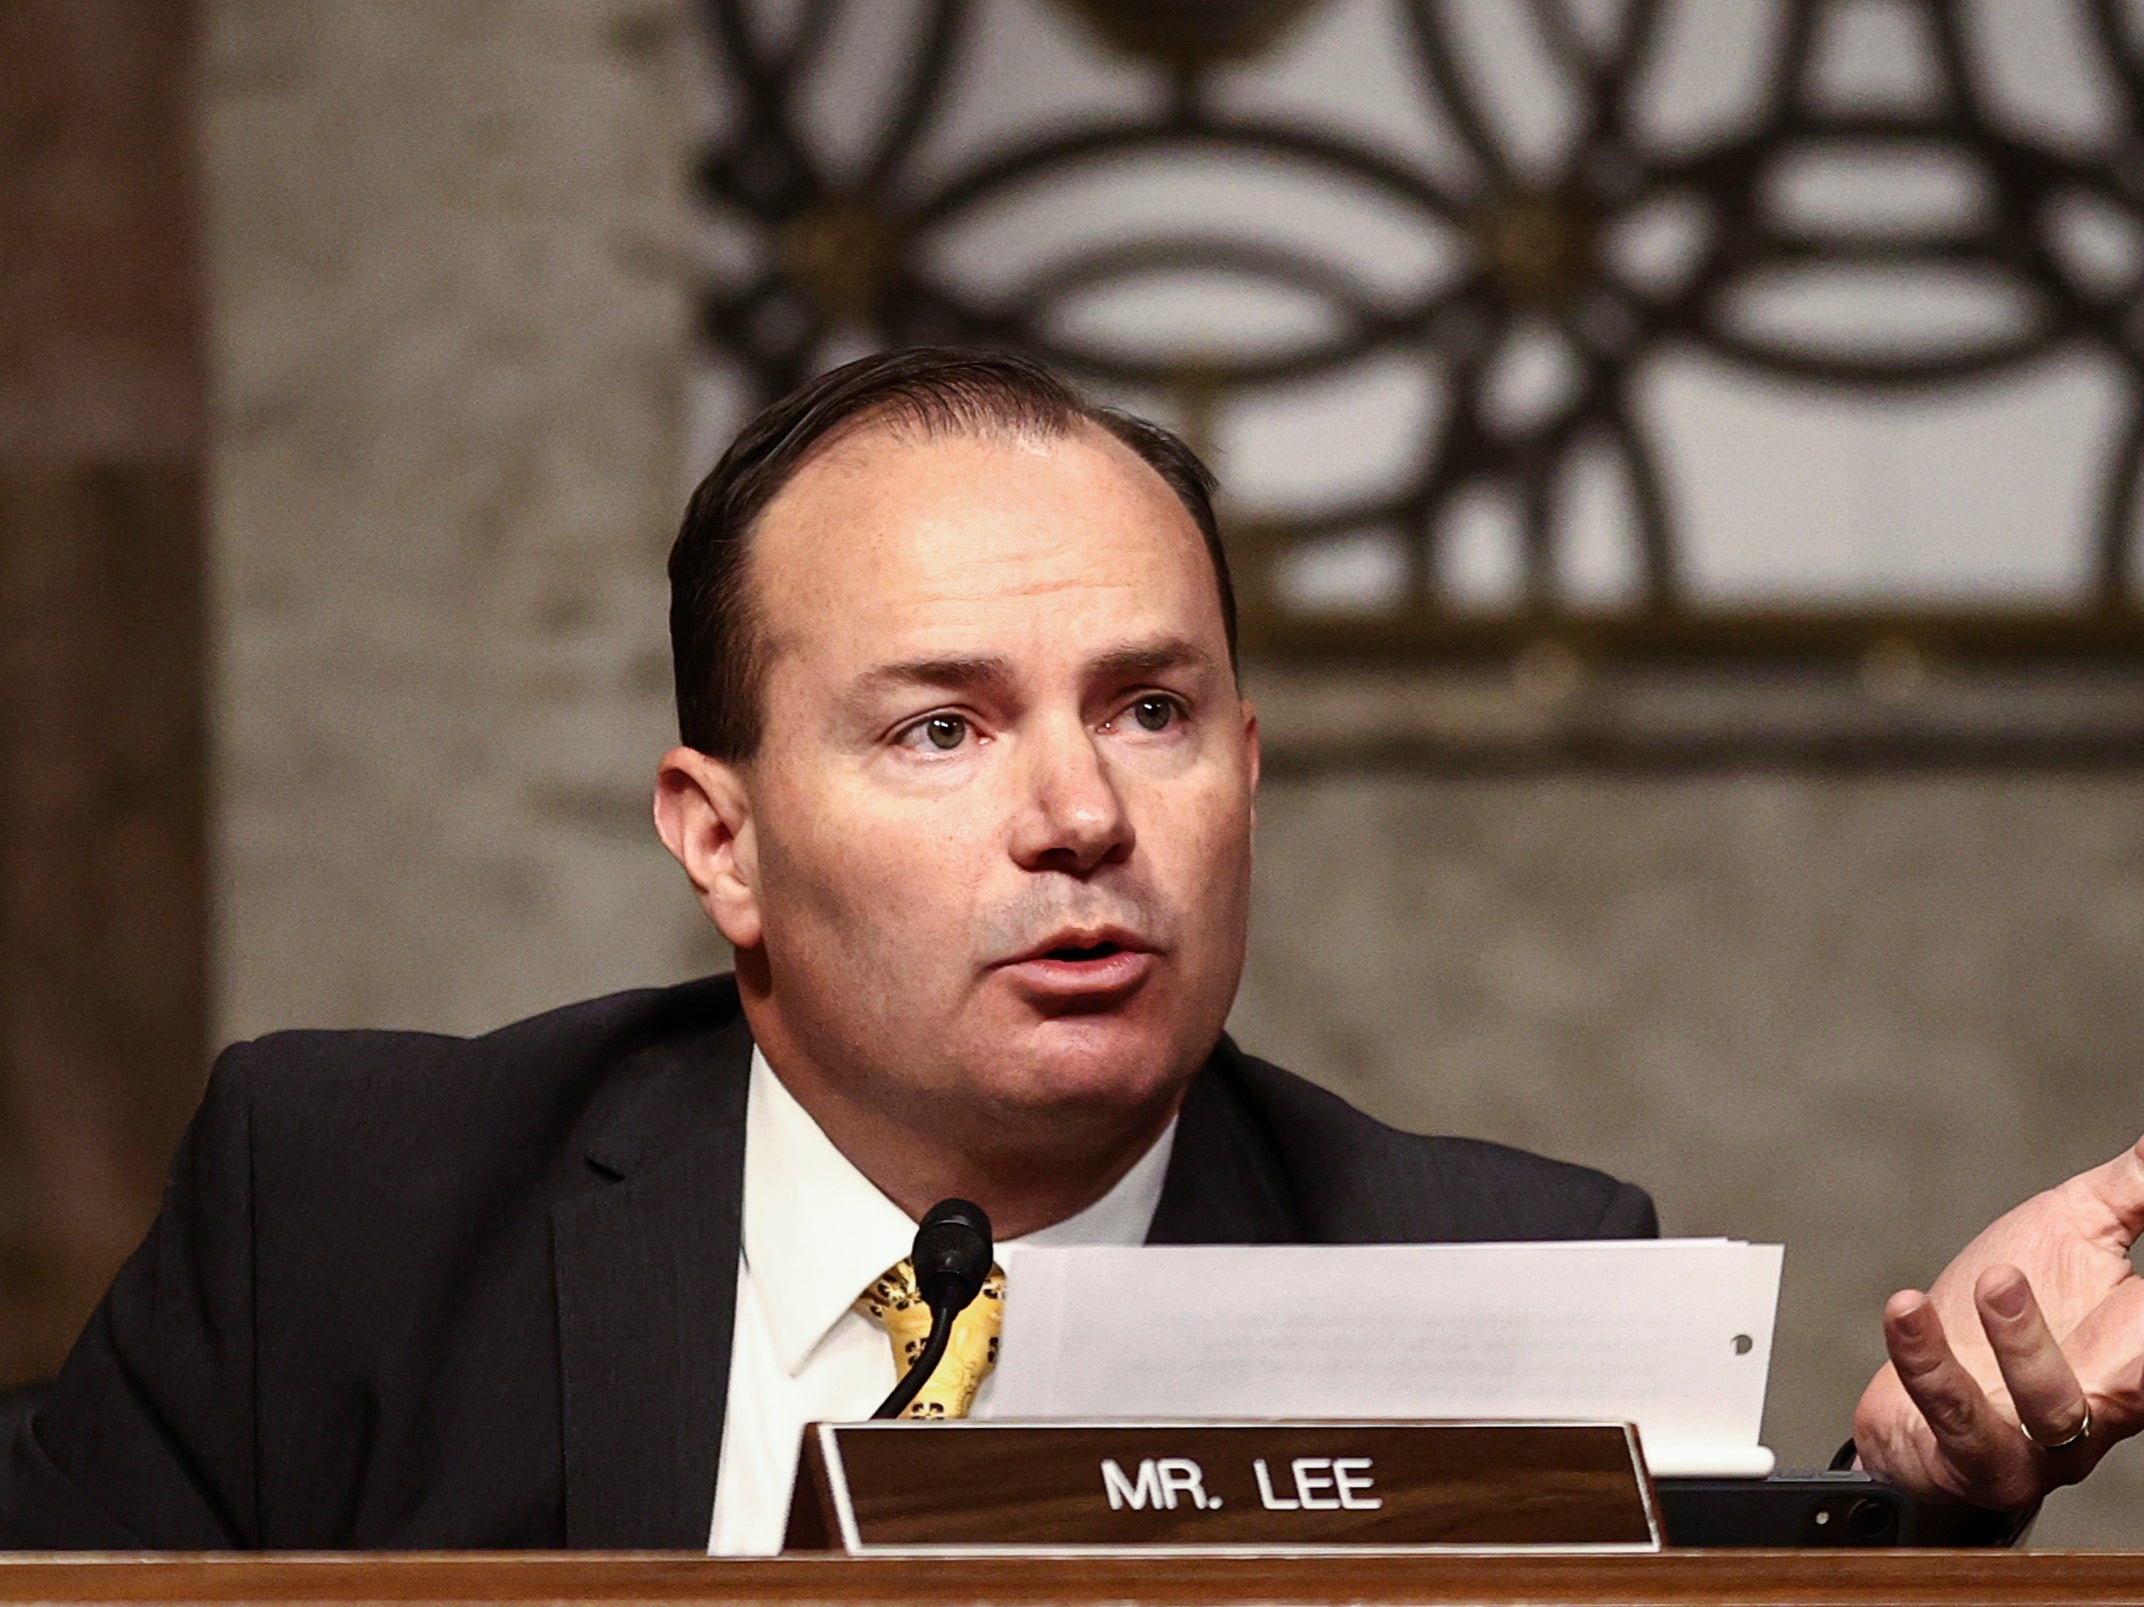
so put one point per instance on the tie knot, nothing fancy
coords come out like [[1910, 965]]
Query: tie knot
[[896, 1305]]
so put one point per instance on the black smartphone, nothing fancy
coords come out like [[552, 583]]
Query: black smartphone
[[1821, 1509]]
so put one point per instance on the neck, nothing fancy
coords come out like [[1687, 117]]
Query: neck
[[1026, 1180]]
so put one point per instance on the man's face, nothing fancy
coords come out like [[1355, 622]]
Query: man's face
[[999, 839]]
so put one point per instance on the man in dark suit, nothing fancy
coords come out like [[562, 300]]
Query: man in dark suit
[[967, 782], [425, 1292]]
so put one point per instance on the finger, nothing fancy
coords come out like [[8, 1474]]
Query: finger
[[2050, 1403], [2117, 1189], [1973, 1437], [2106, 1351]]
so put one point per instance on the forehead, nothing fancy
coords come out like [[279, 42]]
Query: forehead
[[893, 541]]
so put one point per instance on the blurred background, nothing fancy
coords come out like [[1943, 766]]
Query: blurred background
[[1683, 468]]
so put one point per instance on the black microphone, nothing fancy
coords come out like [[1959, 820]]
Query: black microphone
[[952, 1258]]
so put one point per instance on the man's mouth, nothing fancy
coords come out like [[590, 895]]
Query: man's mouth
[[1092, 966], [1087, 951]]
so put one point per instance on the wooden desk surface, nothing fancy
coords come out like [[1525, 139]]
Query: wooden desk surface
[[1747, 1578]]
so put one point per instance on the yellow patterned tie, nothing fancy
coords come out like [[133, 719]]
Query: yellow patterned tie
[[895, 1304]]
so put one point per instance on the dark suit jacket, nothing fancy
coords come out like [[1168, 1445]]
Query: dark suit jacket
[[412, 1291]]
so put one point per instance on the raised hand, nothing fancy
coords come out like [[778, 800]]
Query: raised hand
[[2023, 1365]]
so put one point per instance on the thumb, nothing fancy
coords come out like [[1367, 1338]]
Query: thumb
[[2115, 1194]]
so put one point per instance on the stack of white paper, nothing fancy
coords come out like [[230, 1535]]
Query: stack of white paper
[[1674, 1335]]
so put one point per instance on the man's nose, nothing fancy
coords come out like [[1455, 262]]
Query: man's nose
[[1072, 817]]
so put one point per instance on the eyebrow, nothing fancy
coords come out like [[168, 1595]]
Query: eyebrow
[[944, 674], [1152, 658], [990, 671]]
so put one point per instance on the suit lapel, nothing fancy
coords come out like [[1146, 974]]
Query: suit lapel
[[646, 1273], [645, 1265], [1225, 1183]]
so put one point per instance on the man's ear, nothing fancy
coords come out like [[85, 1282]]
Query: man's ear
[[703, 813]]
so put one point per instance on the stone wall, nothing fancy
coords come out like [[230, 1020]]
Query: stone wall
[[449, 330], [1859, 1016]]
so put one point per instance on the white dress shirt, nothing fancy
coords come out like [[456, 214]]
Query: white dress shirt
[[816, 1232]]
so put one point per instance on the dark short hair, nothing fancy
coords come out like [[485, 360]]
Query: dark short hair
[[717, 651]]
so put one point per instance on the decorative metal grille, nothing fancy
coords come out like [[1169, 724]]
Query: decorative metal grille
[[832, 255]]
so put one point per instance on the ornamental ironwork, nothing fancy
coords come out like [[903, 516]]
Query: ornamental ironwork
[[1614, 247]]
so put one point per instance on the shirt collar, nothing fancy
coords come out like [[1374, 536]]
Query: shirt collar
[[817, 1231]]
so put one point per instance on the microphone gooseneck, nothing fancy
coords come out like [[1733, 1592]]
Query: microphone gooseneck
[[952, 1258], [925, 1365]]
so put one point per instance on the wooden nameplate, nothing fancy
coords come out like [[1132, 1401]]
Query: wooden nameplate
[[1238, 1489]]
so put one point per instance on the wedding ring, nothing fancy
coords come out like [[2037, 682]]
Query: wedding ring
[[2084, 1429]]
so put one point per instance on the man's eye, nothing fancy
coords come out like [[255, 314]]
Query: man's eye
[[1155, 713], [945, 732]]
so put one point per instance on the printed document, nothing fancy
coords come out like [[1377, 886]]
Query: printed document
[[1674, 1335]]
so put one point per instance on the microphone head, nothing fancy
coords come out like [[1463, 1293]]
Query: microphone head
[[952, 1253]]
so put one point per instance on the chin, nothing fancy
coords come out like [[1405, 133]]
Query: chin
[[1095, 1063]]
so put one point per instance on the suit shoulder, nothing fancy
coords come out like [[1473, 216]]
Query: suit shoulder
[[1356, 1179], [378, 1059], [341, 1095]]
